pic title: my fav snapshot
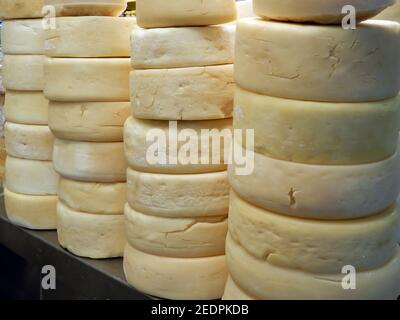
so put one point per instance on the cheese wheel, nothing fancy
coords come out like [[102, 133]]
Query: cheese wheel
[[32, 212], [92, 37], [319, 132], [28, 141], [88, 7], [180, 13], [182, 47], [327, 12], [233, 292], [175, 278], [268, 282], [88, 121], [90, 161], [93, 197], [317, 246], [90, 235], [30, 177], [391, 13], [25, 36], [23, 72], [21, 9], [330, 64], [244, 9], [89, 80], [176, 147], [152, 99], [318, 191], [179, 195], [26, 107]]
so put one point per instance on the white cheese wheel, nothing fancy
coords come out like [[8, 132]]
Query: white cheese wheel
[[326, 12], [28, 141], [182, 47], [30, 177], [89, 80], [268, 282], [317, 246], [175, 278], [244, 9], [179, 195], [23, 72], [90, 161], [176, 237], [330, 64], [21, 9], [319, 132], [150, 145], [233, 292], [88, 121], [26, 107], [391, 13], [180, 13], [152, 98], [93, 197], [88, 7], [88, 235], [92, 37], [318, 191]]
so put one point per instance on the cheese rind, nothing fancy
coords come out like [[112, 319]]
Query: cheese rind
[[392, 13], [21, 9], [233, 292], [152, 99], [88, 7], [330, 64], [175, 278]]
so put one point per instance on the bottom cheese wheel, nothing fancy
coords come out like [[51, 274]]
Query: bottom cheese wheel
[[68, 8], [268, 282], [234, 292], [33, 212], [175, 278], [90, 235]]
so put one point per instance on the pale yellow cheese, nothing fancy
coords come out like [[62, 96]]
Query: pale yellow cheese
[[90, 161], [391, 13], [199, 93], [88, 121], [90, 235], [33, 212], [329, 63], [179, 195], [175, 278], [89, 80], [178, 13], [244, 9], [88, 7], [319, 132], [21, 9], [233, 292]]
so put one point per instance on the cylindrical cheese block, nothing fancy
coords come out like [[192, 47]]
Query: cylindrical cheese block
[[198, 93], [179, 195], [33, 212], [92, 37], [233, 292], [88, 121], [88, 7], [330, 63], [21, 9], [175, 278], [90, 161], [318, 191], [177, 147], [319, 132], [391, 13], [93, 197], [31, 177], [89, 80], [88, 235]]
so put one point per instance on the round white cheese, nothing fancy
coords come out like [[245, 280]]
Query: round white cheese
[[88, 7], [233, 292], [21, 9]]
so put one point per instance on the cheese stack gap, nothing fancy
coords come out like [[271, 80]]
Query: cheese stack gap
[[181, 89], [317, 217], [87, 83]]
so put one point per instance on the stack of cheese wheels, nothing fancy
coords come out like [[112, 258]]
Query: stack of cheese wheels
[[181, 86], [87, 83], [317, 217], [2, 120], [30, 181]]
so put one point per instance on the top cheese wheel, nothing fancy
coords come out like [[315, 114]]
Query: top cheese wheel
[[88, 7], [318, 63], [326, 12], [20, 9], [177, 13], [391, 13]]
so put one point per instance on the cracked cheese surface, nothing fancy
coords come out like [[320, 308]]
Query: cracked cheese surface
[[21, 9], [88, 7]]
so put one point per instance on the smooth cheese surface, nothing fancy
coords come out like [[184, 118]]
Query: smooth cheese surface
[[182, 47], [88, 7], [319, 132], [233, 292], [88, 121], [21, 9], [179, 195], [330, 64], [391, 13], [152, 98], [89, 80], [90, 235], [178, 13], [175, 278]]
